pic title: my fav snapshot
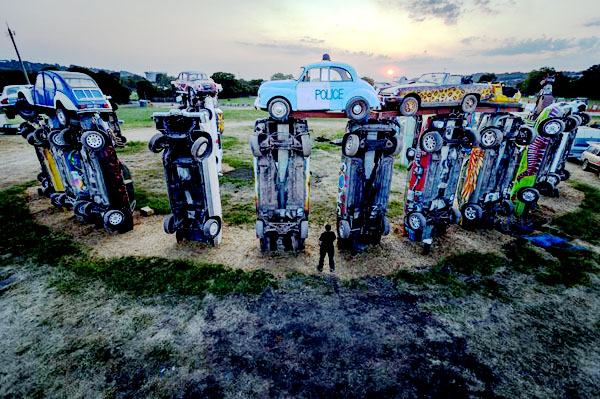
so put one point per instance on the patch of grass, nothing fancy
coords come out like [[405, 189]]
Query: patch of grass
[[240, 100], [236, 162], [157, 201], [325, 146], [133, 147], [395, 209], [399, 166], [470, 263], [135, 117], [235, 213], [229, 142], [523, 257], [584, 222], [22, 237], [591, 201], [162, 352], [236, 181], [245, 115]]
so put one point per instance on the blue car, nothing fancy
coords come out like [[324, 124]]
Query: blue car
[[323, 86], [61, 95]]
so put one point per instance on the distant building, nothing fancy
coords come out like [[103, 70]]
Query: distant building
[[151, 76]]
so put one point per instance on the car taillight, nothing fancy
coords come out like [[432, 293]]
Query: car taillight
[[5, 101], [82, 106], [105, 105]]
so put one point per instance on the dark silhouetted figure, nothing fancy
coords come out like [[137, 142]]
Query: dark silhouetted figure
[[327, 239]]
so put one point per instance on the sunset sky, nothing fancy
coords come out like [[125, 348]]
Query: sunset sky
[[255, 39]]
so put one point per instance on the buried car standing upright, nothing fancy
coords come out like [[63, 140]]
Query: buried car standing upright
[[323, 86]]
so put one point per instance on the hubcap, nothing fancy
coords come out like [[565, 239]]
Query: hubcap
[[116, 219], [94, 140], [470, 213], [213, 228], [414, 222], [488, 138], [410, 105], [429, 142], [278, 109], [59, 139], [357, 109], [552, 128], [62, 118], [201, 149], [528, 196], [349, 143]]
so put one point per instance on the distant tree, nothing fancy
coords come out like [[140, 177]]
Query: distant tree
[[369, 80], [14, 77], [164, 80], [231, 86], [588, 84], [487, 77], [281, 76], [145, 90]]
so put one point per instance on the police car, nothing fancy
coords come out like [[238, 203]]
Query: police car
[[323, 86]]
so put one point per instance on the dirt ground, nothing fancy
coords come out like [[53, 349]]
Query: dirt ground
[[239, 248]]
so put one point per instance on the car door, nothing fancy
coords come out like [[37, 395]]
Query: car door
[[38, 90], [453, 91], [312, 92], [49, 91], [340, 88]]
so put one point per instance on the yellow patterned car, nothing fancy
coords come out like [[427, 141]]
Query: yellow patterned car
[[435, 90]]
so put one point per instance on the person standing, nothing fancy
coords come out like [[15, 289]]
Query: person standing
[[326, 242]]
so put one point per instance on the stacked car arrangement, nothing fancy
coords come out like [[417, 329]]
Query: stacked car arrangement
[[74, 130], [474, 162]]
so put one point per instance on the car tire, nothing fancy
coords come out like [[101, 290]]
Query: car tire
[[31, 139], [409, 106], [394, 146], [525, 135], [431, 141], [554, 179], [279, 109], [255, 146], [259, 228], [571, 123], [551, 127], [81, 210], [416, 221], [25, 110], [157, 143], [350, 145], [469, 103], [471, 213], [470, 138], [211, 228], [565, 175], [386, 226], [357, 109], [57, 138], [507, 208], [579, 119], [169, 224], [25, 128], [491, 137], [304, 229], [410, 154], [585, 166], [306, 145], [94, 140], [62, 116], [201, 148], [117, 220], [585, 118], [344, 229], [528, 195]]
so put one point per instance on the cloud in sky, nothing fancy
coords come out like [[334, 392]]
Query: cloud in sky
[[531, 46], [420, 10], [593, 22]]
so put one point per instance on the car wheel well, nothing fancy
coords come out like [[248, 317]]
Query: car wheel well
[[279, 97], [415, 96]]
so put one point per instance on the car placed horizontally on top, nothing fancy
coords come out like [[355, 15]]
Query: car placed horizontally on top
[[435, 90], [62, 95], [194, 83], [8, 98], [322, 86]]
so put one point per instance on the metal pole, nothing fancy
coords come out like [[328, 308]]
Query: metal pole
[[18, 55]]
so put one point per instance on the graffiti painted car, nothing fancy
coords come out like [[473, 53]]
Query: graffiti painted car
[[194, 83], [435, 90], [63, 96], [323, 86], [503, 95]]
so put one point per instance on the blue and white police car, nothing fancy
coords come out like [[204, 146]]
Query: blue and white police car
[[323, 86]]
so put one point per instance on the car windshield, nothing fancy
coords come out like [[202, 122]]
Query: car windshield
[[299, 73], [81, 82], [11, 90], [436, 78], [197, 76]]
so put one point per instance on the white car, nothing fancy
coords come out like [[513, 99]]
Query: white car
[[8, 98], [195, 83]]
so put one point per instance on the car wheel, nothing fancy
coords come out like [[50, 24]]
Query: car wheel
[[255, 146], [25, 128], [279, 109], [490, 137], [472, 212], [565, 175], [579, 119], [26, 110], [259, 228], [469, 103], [306, 145], [116, 220], [201, 148], [350, 145], [525, 135], [386, 226], [506, 208], [394, 146], [470, 138], [62, 116], [586, 165], [93, 140], [31, 139], [357, 109], [81, 210], [409, 106], [416, 221], [410, 153], [157, 143], [211, 228], [344, 229], [585, 118], [528, 195], [551, 127], [57, 138], [169, 224], [431, 141], [553, 179], [571, 123], [304, 229]]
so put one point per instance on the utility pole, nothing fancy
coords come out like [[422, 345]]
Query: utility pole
[[11, 33]]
